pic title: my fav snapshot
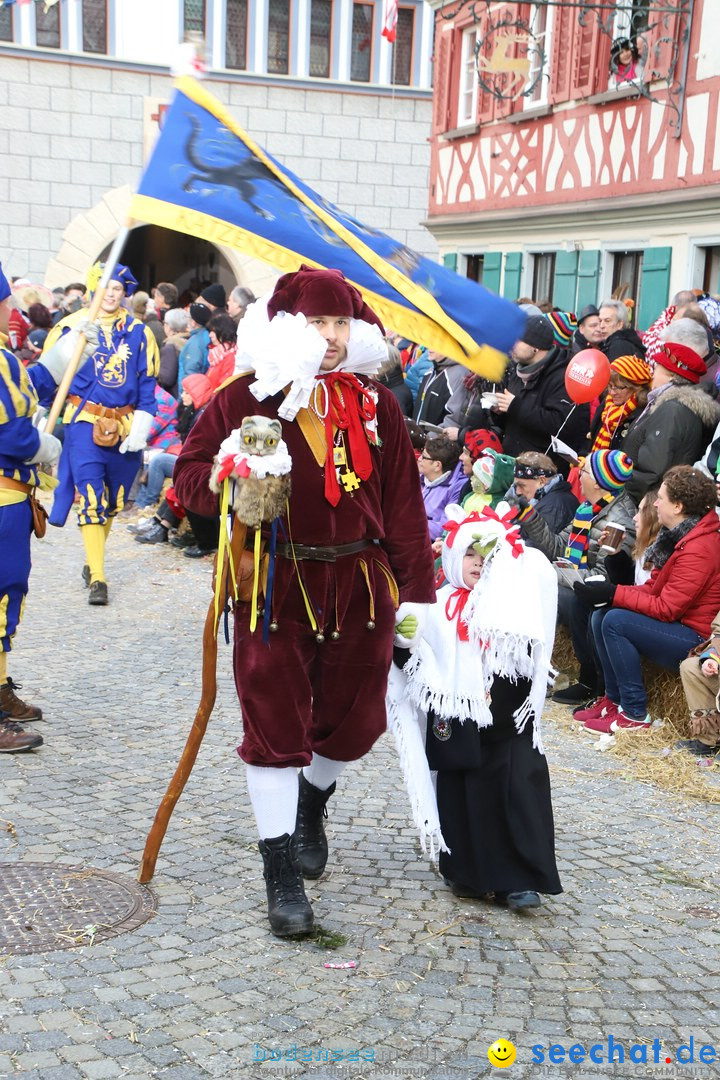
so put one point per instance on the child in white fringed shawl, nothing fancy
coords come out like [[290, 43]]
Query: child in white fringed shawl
[[476, 684]]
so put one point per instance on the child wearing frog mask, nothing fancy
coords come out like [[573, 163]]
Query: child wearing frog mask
[[476, 685]]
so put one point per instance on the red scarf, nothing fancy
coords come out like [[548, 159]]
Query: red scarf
[[349, 406], [454, 608]]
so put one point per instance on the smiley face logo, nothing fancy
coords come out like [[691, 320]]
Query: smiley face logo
[[501, 1054]]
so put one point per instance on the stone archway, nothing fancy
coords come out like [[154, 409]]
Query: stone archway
[[91, 233]]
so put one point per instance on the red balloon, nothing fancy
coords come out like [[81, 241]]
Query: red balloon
[[587, 375]]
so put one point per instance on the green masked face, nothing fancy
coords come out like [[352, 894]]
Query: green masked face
[[484, 547]]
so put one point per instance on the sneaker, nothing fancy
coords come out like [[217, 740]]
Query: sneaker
[[141, 526], [594, 709], [576, 694], [14, 739], [86, 576], [98, 594], [603, 725], [623, 722], [156, 534], [698, 748], [519, 901]]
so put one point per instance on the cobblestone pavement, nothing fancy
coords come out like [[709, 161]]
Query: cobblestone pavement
[[203, 990]]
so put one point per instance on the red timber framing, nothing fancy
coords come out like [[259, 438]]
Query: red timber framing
[[588, 139]]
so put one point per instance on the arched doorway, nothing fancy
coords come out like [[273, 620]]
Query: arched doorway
[[156, 254], [153, 253]]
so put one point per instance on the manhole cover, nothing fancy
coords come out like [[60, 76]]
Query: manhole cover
[[46, 906]]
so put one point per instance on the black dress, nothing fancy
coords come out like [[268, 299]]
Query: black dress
[[493, 793]]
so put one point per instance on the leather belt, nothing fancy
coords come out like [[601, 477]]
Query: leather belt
[[320, 554], [101, 410], [16, 485]]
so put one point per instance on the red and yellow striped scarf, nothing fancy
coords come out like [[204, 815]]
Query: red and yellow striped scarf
[[612, 417]]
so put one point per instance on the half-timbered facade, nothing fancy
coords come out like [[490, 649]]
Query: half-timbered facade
[[560, 174]]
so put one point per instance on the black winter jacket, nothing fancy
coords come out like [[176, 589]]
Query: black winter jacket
[[674, 430], [623, 342], [539, 409]]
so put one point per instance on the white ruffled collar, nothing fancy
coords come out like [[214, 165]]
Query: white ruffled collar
[[285, 349]]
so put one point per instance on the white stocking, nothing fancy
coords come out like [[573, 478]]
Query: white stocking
[[322, 771], [274, 797]]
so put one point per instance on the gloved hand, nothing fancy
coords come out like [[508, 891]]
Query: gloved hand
[[525, 512], [409, 623], [59, 355], [620, 568], [139, 432], [47, 452], [595, 593]]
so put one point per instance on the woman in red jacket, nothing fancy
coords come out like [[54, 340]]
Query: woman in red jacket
[[667, 616]]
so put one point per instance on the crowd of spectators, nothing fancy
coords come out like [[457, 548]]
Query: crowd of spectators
[[623, 507]]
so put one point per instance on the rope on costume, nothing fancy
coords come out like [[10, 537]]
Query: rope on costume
[[306, 599]]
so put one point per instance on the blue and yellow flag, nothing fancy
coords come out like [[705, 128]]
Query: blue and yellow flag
[[207, 178]]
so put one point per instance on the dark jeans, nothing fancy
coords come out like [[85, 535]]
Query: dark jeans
[[575, 615], [206, 530], [622, 637]]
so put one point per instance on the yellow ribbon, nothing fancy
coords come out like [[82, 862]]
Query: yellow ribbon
[[256, 580], [224, 550], [306, 599]]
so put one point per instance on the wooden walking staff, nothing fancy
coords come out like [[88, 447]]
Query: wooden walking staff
[[92, 314], [207, 702]]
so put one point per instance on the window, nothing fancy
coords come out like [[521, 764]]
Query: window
[[474, 267], [320, 37], [6, 24], [194, 16], [94, 26], [711, 269], [627, 276], [362, 39], [236, 35], [543, 277], [467, 102], [403, 48], [538, 82], [278, 62], [47, 27]]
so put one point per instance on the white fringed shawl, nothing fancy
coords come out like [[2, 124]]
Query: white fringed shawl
[[510, 616]]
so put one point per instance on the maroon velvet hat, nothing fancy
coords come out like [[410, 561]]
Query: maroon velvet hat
[[312, 292]]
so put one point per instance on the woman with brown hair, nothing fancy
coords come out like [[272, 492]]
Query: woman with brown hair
[[667, 616]]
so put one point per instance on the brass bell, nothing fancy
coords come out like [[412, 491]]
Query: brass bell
[[335, 635], [370, 625], [274, 628], [319, 637]]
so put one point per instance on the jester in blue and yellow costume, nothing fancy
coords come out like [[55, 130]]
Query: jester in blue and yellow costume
[[113, 391], [22, 448]]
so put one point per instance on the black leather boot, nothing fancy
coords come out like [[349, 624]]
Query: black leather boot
[[309, 829], [289, 910]]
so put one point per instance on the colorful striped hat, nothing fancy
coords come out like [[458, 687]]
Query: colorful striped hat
[[564, 325], [611, 468], [633, 368]]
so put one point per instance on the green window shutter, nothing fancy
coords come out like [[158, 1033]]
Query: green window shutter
[[492, 270], [565, 284], [513, 271], [450, 260], [587, 283], [654, 285]]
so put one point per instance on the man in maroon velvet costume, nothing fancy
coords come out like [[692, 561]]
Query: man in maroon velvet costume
[[313, 697]]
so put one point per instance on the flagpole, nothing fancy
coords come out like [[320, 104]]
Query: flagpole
[[93, 311]]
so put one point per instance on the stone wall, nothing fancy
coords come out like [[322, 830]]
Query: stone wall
[[73, 132]]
